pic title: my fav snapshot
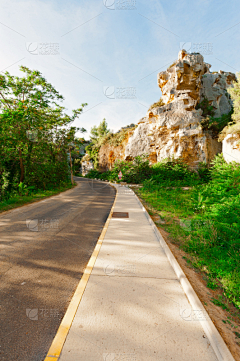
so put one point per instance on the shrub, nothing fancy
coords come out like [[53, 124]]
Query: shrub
[[135, 171], [173, 172], [204, 172], [160, 103], [207, 109], [216, 125]]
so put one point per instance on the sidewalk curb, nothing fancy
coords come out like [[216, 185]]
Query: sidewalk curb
[[219, 346], [56, 347]]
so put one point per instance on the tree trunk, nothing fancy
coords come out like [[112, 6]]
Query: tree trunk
[[70, 157], [21, 165]]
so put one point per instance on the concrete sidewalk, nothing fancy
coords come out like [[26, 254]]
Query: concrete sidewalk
[[134, 307]]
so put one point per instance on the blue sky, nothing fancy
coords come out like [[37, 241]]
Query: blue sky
[[101, 49]]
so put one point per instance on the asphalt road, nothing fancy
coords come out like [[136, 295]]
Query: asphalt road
[[44, 248]]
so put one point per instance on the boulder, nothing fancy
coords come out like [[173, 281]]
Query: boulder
[[231, 148], [86, 166]]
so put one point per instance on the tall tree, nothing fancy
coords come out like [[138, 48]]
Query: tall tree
[[35, 130], [98, 132], [235, 95]]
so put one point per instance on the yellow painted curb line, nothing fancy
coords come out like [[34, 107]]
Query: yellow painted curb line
[[62, 332]]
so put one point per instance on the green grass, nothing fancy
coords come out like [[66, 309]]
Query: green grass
[[221, 303], [174, 202], [18, 200]]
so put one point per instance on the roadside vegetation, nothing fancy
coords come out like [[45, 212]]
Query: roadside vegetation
[[101, 135], [234, 126], [39, 148], [28, 195]]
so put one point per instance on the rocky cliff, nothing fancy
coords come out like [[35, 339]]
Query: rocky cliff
[[173, 129], [231, 148]]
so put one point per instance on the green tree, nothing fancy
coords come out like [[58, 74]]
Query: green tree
[[35, 130], [235, 95], [99, 132], [97, 136], [234, 125]]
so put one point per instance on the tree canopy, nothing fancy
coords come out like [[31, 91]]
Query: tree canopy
[[35, 131]]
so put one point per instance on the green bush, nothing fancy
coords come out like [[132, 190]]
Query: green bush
[[135, 171], [173, 172], [204, 172], [207, 109], [216, 240], [159, 103], [216, 125]]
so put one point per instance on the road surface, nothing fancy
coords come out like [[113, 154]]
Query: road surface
[[44, 248]]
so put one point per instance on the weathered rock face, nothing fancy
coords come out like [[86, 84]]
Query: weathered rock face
[[174, 130], [231, 148], [108, 154], [86, 167], [182, 81], [175, 134], [214, 88]]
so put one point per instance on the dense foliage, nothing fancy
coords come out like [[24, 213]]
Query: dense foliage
[[101, 135], [97, 134], [135, 171], [207, 109], [210, 122], [169, 172], [36, 136], [234, 126]]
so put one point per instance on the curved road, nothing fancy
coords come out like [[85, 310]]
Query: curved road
[[44, 248]]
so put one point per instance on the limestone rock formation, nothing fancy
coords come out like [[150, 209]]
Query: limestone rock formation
[[174, 130], [214, 88], [181, 82], [231, 148], [86, 166]]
